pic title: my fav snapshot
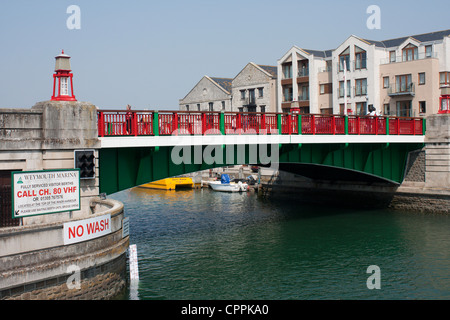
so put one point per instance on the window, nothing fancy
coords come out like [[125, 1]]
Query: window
[[344, 58], [428, 51], [211, 106], [187, 107], [444, 78], [242, 94], [64, 90], [392, 56], [303, 68], [260, 92], [198, 106], [287, 94], [251, 96], [386, 109], [326, 88], [422, 107], [361, 87], [403, 83], [223, 105], [360, 58], [421, 78], [303, 93], [410, 53], [361, 108], [341, 89], [263, 108], [287, 71], [404, 109], [385, 82]]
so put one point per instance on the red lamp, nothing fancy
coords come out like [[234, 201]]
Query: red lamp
[[63, 76]]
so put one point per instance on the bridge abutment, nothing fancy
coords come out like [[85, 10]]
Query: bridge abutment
[[35, 260]]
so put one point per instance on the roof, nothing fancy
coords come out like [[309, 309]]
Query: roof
[[319, 53], [424, 37], [272, 70], [224, 83]]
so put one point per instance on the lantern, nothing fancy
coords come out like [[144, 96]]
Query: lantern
[[62, 77]]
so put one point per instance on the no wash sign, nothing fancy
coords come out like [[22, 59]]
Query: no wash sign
[[82, 230]]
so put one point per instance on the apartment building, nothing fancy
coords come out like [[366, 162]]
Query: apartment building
[[304, 81], [254, 89], [399, 77], [209, 94]]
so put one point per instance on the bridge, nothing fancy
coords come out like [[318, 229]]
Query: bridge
[[141, 146]]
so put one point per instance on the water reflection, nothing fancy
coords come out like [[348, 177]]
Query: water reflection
[[200, 244]]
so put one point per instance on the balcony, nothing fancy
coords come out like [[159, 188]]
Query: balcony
[[303, 97], [250, 101], [402, 89], [421, 56], [303, 72]]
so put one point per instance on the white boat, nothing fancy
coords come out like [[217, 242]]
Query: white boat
[[225, 185]]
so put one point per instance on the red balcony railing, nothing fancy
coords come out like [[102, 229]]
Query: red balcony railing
[[152, 123]]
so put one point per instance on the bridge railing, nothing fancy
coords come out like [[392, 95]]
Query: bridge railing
[[154, 123]]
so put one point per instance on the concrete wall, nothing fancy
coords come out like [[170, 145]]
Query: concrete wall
[[35, 263], [33, 258]]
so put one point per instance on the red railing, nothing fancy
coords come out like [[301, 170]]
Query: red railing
[[143, 123]]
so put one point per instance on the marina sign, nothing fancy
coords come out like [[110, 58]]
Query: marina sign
[[44, 192]]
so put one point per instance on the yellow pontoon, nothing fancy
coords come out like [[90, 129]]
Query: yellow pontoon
[[170, 184]]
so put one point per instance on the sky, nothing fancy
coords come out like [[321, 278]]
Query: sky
[[150, 54]]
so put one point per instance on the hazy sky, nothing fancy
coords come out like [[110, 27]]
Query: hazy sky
[[151, 53]]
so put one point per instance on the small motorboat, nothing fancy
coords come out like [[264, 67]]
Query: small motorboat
[[225, 185]]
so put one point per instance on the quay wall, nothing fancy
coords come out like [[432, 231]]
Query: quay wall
[[34, 261]]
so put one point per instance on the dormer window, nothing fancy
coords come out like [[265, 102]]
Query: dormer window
[[410, 52]]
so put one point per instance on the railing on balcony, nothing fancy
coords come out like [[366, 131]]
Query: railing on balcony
[[303, 72], [420, 56], [402, 88], [303, 96], [154, 123]]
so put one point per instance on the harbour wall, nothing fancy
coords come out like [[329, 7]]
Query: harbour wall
[[35, 261]]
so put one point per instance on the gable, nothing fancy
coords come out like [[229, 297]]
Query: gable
[[205, 90], [250, 75]]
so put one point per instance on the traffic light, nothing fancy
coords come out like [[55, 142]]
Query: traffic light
[[85, 161]]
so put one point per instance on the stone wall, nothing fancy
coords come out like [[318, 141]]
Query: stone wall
[[104, 282], [40, 268], [34, 260]]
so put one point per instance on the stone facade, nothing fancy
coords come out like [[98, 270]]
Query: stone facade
[[254, 89], [209, 94]]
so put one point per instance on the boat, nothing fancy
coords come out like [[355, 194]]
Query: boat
[[225, 185], [170, 184]]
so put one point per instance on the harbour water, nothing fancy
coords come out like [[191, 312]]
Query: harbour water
[[206, 245]]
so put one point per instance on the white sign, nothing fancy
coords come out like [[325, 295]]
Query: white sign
[[125, 227], [82, 230], [44, 192]]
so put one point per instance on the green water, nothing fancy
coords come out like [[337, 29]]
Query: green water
[[200, 244]]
